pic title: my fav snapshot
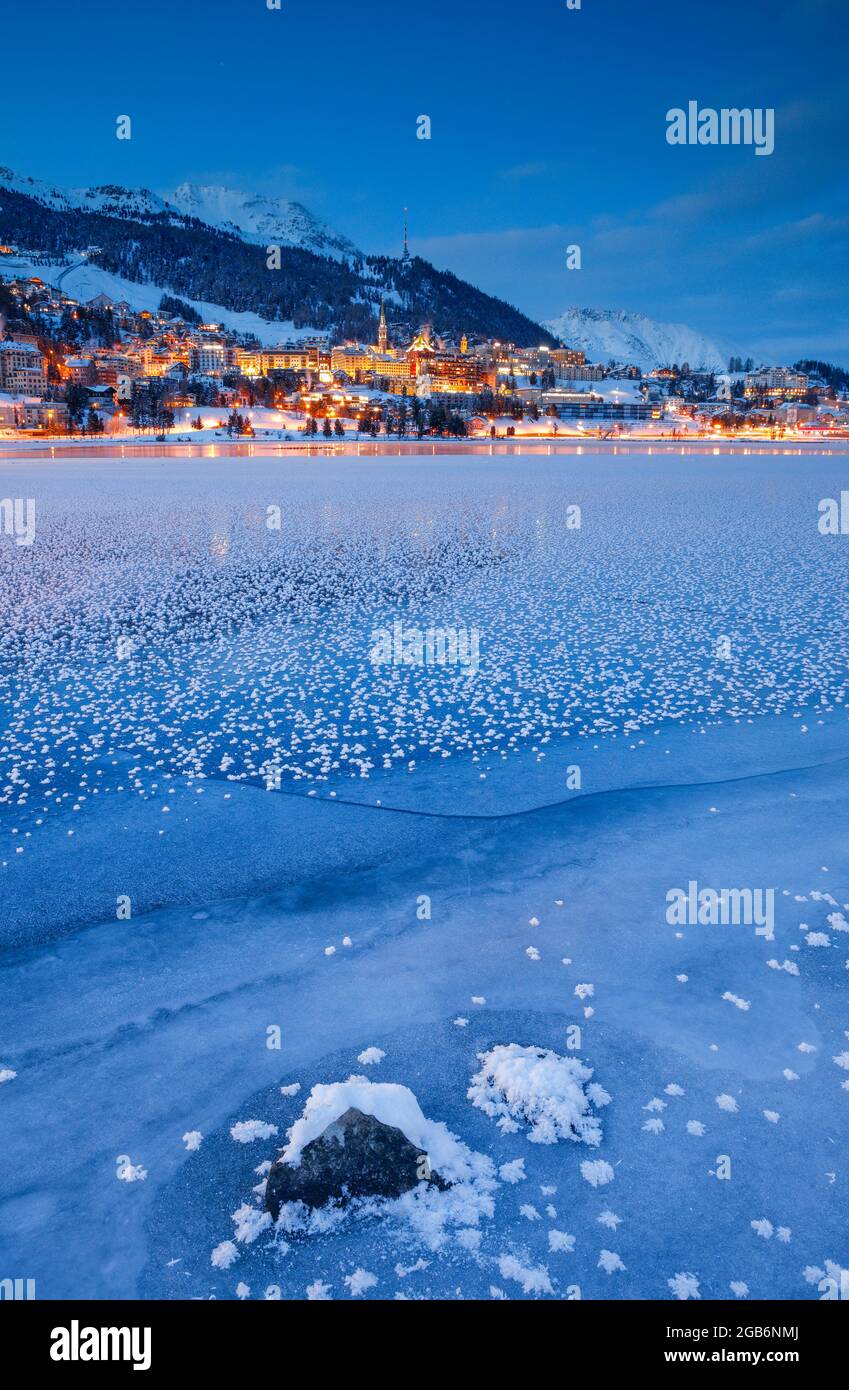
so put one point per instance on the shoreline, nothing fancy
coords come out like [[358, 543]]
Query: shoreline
[[133, 447]]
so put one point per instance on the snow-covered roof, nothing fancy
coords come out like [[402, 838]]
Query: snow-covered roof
[[11, 344]]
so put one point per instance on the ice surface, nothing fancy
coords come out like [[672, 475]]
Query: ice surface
[[126, 1034]]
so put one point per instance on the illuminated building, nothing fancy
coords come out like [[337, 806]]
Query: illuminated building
[[22, 368], [392, 367], [351, 359], [286, 357], [564, 357], [777, 381], [209, 359]]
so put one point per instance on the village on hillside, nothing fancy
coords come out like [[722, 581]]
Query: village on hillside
[[105, 368]]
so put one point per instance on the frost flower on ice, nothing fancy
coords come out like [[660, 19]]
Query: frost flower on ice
[[609, 1261], [246, 1131], [540, 1088], [513, 1172], [533, 1279], [597, 1172], [684, 1286], [224, 1255], [130, 1172], [360, 1281], [560, 1242]]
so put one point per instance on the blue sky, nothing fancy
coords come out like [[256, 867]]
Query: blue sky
[[548, 129]]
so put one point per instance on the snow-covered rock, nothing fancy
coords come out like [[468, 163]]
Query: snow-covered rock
[[359, 1138]]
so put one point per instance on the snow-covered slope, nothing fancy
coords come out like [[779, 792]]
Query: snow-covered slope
[[84, 280], [258, 218], [612, 333], [109, 198]]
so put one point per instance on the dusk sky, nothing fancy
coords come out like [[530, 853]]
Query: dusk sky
[[548, 129]]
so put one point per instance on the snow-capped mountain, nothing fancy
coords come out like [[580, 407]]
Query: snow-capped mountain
[[612, 333], [253, 217], [261, 219]]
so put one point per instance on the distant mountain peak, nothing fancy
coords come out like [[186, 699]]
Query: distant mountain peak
[[627, 337]]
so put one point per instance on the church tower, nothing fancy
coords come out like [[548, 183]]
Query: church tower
[[382, 331]]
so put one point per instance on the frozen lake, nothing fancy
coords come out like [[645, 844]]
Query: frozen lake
[[253, 708]]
